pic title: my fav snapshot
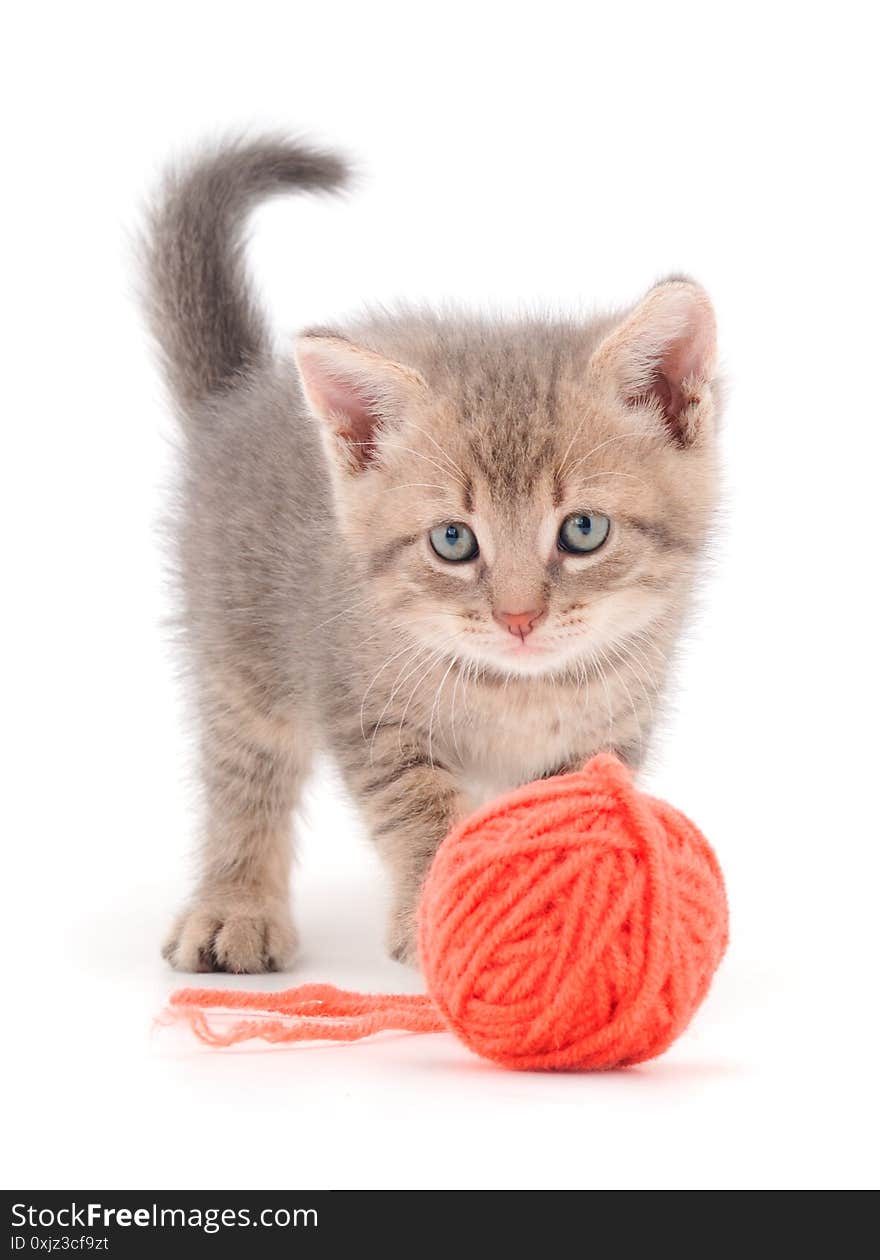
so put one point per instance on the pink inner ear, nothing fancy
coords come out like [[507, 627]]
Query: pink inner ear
[[687, 358], [353, 417], [346, 404], [689, 355]]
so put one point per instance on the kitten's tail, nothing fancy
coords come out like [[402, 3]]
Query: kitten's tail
[[201, 307]]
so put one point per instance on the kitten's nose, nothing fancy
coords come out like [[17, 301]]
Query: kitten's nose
[[520, 623]]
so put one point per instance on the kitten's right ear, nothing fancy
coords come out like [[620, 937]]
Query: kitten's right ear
[[355, 394]]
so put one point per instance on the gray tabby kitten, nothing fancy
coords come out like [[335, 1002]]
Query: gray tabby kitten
[[454, 552]]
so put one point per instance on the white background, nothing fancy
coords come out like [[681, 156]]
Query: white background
[[556, 154]]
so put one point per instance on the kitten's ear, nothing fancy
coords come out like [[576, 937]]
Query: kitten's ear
[[663, 356], [355, 393]]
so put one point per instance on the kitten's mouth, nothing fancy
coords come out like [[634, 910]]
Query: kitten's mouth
[[524, 648], [535, 654]]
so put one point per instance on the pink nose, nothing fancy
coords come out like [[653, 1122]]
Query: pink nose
[[520, 623]]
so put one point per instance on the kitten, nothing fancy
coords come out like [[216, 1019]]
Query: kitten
[[455, 552]]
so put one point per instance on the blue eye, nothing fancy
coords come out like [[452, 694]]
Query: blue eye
[[454, 542], [583, 532]]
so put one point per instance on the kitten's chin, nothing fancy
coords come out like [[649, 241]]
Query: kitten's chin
[[526, 660]]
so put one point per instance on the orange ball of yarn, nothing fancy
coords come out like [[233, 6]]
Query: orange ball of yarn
[[575, 923]]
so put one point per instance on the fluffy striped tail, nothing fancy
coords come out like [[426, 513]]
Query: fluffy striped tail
[[201, 306]]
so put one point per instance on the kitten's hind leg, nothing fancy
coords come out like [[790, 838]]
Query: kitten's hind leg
[[239, 918]]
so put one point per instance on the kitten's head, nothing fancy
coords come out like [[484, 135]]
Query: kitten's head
[[523, 495]]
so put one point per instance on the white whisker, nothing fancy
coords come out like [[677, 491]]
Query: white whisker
[[618, 437], [437, 655], [629, 697], [411, 451], [359, 603], [419, 662], [416, 485], [410, 424], [388, 661], [601, 672], [631, 661], [597, 476], [434, 710], [458, 679]]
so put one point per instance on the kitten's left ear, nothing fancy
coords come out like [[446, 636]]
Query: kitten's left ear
[[663, 356], [356, 394]]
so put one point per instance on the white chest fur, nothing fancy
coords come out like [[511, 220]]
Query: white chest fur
[[511, 735]]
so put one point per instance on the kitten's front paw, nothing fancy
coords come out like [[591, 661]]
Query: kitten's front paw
[[401, 939], [232, 935]]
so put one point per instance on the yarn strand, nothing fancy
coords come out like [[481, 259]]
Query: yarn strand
[[310, 1012]]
